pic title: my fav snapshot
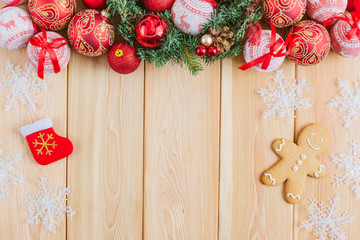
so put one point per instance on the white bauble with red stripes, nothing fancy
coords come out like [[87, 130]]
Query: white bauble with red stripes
[[16, 28], [63, 54], [190, 15], [321, 10], [11, 2]]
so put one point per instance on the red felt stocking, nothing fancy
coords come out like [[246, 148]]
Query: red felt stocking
[[45, 145]]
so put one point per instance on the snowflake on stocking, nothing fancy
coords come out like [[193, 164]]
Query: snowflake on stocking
[[325, 222], [23, 84], [8, 174], [46, 206], [284, 98], [350, 163]]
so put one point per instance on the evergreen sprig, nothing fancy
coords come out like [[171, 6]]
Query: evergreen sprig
[[180, 48]]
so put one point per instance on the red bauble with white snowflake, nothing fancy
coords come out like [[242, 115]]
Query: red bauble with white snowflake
[[311, 43], [15, 28], [91, 33], [253, 51], [158, 5], [62, 54], [321, 10], [52, 14], [190, 15], [283, 13], [12, 2], [340, 43]]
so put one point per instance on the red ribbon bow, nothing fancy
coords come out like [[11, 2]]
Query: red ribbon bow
[[212, 2], [13, 3], [275, 46], [42, 42], [354, 22]]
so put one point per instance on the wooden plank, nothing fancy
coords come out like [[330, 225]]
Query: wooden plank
[[322, 78], [105, 170], [181, 153], [249, 209], [53, 104]]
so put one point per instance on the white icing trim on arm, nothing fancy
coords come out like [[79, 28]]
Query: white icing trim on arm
[[36, 126], [280, 145], [317, 172], [271, 178], [315, 148], [292, 196]]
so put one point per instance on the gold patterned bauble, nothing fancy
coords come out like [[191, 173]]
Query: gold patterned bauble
[[207, 40]]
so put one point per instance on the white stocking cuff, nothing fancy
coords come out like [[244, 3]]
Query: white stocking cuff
[[36, 126]]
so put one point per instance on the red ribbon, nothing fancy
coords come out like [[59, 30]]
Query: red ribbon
[[212, 2], [41, 41], [275, 46], [354, 22], [13, 3]]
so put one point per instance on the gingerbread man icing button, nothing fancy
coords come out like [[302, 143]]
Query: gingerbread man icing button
[[298, 161]]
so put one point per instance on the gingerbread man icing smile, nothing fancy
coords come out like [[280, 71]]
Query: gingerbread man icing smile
[[298, 160]]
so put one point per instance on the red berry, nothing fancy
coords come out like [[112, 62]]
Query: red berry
[[201, 51], [212, 51]]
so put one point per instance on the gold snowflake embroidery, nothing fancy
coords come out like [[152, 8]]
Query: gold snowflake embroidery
[[45, 144]]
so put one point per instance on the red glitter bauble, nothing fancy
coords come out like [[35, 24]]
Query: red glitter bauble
[[212, 51], [95, 4], [201, 51], [150, 30], [158, 5], [283, 13], [91, 33], [122, 58], [52, 14], [311, 43]]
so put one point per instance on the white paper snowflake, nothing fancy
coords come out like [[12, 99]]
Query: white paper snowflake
[[325, 222], [23, 84], [8, 174], [284, 98], [348, 101], [45, 206], [350, 163]]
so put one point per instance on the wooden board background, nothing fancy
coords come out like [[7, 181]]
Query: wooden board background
[[160, 154]]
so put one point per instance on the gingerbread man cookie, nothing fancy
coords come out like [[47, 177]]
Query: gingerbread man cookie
[[298, 160]]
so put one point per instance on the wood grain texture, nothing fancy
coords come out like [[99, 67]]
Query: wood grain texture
[[181, 153]]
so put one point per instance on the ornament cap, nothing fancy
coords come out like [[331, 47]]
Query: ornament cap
[[119, 53]]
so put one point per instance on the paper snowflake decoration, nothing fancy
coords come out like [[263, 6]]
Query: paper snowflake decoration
[[8, 174], [46, 206], [348, 101], [325, 222], [23, 85], [350, 163], [284, 98]]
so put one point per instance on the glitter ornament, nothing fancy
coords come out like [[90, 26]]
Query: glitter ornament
[[52, 14], [201, 51], [311, 43], [63, 53], [320, 10], [122, 58], [95, 4], [190, 15], [158, 5], [91, 33], [283, 13], [13, 2], [15, 28], [212, 51], [207, 40], [150, 30]]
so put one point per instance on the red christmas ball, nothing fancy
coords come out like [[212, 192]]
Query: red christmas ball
[[321, 10], [212, 51], [122, 58], [150, 30], [351, 6], [201, 51], [283, 13], [91, 33], [95, 4], [158, 5], [311, 43], [52, 14]]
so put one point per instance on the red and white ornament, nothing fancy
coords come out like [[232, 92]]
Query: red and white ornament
[[190, 15], [321, 10], [95, 4], [340, 43], [52, 14], [91, 33], [158, 5], [63, 53], [311, 43], [15, 28], [252, 52], [283, 13], [13, 2]]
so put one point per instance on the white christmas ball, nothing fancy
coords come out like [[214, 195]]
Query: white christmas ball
[[7, 2], [190, 15], [15, 28], [321, 10], [252, 51], [63, 54]]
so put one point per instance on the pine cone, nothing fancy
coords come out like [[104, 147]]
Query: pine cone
[[222, 38]]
